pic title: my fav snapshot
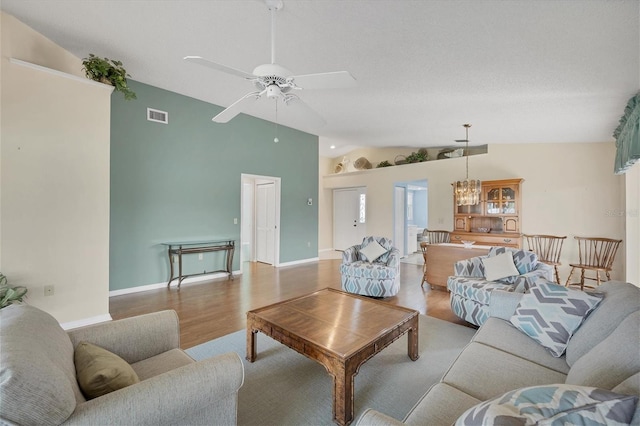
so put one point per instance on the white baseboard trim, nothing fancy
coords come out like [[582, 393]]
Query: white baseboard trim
[[86, 321], [186, 281], [298, 262]]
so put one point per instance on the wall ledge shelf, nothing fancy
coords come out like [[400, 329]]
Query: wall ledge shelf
[[60, 74]]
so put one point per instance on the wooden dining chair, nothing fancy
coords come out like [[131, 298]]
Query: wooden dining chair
[[595, 254], [423, 247], [432, 237], [548, 249], [437, 236]]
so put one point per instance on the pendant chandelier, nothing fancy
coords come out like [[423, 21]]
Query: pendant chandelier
[[468, 190]]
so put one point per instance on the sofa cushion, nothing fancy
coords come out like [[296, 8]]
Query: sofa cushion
[[37, 376], [100, 372], [372, 251], [477, 289], [611, 361], [524, 261], [553, 404], [502, 335], [631, 386], [362, 269], [499, 267], [441, 405], [620, 300], [484, 372], [551, 313]]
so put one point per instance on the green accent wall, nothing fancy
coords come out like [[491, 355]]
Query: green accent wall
[[182, 181]]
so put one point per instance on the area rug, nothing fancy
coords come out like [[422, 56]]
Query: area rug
[[283, 387]]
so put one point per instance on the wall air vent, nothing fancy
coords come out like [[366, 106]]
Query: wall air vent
[[157, 116]]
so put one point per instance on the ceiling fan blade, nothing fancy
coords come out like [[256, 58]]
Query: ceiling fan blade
[[302, 112], [207, 63], [237, 107], [324, 80]]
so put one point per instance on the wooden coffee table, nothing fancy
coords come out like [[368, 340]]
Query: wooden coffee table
[[339, 330]]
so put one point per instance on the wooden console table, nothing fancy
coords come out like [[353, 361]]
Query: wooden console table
[[190, 247], [441, 258]]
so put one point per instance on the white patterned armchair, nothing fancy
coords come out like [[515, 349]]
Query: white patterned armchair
[[371, 268], [471, 289]]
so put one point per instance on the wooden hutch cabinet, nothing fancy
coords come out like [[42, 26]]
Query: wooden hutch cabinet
[[498, 212]]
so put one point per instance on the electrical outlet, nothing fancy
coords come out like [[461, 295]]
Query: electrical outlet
[[308, 243], [235, 220], [200, 256], [48, 290]]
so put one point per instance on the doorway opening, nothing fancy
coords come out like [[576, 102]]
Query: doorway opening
[[410, 216], [260, 219]]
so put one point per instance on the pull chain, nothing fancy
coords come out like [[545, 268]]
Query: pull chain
[[276, 140]]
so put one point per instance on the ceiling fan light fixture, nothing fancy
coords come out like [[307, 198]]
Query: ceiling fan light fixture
[[468, 190], [273, 91]]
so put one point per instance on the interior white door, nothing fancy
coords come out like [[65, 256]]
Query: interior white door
[[265, 222], [399, 220], [349, 217]]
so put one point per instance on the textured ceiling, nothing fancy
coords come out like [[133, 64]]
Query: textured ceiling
[[520, 71]]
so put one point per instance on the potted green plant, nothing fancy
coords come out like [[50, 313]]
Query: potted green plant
[[108, 71], [8, 294], [417, 157]]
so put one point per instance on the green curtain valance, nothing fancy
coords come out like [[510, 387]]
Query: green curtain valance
[[628, 136]]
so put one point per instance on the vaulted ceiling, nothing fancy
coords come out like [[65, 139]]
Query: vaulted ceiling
[[521, 71]]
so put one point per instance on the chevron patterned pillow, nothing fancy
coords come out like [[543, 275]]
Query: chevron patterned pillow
[[553, 404], [551, 313]]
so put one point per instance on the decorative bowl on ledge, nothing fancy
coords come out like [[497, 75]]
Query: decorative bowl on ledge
[[467, 244], [484, 230]]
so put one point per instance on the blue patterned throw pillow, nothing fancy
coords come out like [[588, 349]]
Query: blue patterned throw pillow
[[557, 404], [551, 313]]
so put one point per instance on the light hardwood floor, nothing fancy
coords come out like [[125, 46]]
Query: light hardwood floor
[[211, 309]]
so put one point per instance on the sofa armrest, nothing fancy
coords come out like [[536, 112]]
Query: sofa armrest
[[135, 338], [374, 418], [503, 304], [175, 397], [350, 255], [394, 258], [524, 282]]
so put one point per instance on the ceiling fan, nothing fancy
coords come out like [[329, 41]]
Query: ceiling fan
[[276, 82]]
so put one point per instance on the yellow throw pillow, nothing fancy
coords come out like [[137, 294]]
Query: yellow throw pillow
[[100, 371]]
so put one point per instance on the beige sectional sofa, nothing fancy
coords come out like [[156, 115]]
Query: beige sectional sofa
[[604, 353], [38, 383]]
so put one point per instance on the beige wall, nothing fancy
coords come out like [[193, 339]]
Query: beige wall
[[325, 207], [568, 189], [54, 178]]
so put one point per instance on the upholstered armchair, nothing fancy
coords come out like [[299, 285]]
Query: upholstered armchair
[[477, 277], [371, 268], [43, 383]]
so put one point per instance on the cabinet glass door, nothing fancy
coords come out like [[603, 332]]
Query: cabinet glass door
[[508, 201], [493, 201]]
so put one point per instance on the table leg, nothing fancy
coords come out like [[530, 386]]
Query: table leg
[[251, 344], [342, 394], [180, 267], [170, 267], [412, 340], [230, 261]]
